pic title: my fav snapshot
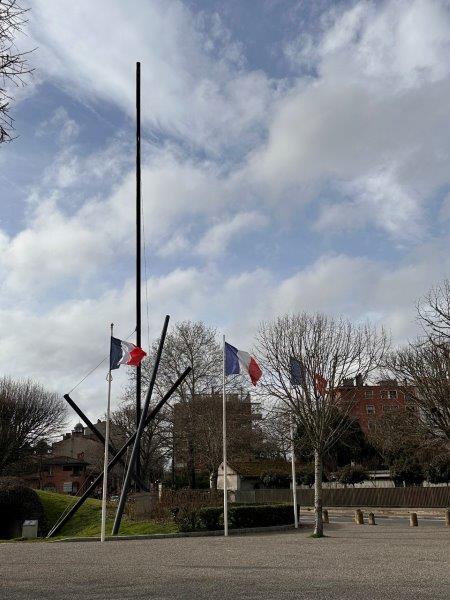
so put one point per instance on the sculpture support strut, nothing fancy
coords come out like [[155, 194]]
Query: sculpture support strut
[[57, 527], [99, 435]]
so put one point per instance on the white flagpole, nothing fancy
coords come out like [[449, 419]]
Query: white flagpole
[[294, 482], [224, 439], [106, 456]]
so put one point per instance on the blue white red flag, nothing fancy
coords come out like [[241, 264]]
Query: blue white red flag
[[238, 361], [124, 353]]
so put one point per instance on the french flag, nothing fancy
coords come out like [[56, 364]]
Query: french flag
[[124, 353], [238, 361]]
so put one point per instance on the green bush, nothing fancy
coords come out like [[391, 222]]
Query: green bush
[[198, 519], [209, 518], [18, 503], [351, 474], [262, 515], [407, 470], [438, 470], [239, 517], [306, 475]]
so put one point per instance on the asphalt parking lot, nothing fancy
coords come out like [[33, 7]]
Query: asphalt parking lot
[[352, 562]]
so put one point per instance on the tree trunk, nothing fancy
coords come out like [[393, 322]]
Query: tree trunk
[[318, 522], [191, 466], [214, 476]]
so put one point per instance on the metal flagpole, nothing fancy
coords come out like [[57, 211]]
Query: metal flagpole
[[224, 439], [106, 457], [139, 430], [294, 482], [137, 465]]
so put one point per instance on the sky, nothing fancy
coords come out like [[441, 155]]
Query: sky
[[295, 156]]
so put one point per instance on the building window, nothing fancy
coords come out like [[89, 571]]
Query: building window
[[389, 394], [370, 409], [370, 425], [368, 393], [387, 408]]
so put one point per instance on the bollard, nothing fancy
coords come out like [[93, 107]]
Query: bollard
[[413, 520], [325, 516], [359, 517], [447, 517], [371, 519]]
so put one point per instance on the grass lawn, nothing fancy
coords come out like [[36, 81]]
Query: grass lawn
[[86, 522]]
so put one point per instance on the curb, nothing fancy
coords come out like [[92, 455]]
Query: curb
[[186, 534]]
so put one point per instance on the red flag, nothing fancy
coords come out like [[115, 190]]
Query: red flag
[[321, 384]]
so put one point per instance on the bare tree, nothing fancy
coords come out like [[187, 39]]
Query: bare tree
[[275, 427], [155, 443], [195, 345], [28, 413], [434, 313], [329, 351], [13, 64], [243, 437], [425, 366], [397, 433]]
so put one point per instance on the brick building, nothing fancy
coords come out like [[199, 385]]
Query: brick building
[[75, 461], [64, 474], [370, 402]]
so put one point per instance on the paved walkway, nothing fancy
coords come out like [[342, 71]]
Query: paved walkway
[[353, 562]]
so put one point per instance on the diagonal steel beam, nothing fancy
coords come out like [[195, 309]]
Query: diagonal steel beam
[[57, 527], [100, 436]]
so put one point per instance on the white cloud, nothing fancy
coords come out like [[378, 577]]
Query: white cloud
[[370, 131], [216, 239], [64, 241], [60, 122], [60, 345], [174, 245], [372, 121], [193, 84], [377, 199]]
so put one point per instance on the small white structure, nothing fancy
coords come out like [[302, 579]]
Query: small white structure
[[250, 474], [30, 529]]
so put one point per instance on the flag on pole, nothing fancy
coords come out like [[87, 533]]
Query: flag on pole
[[124, 353], [296, 371], [238, 361], [321, 384]]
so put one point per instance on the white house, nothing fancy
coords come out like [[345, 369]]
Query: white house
[[255, 474]]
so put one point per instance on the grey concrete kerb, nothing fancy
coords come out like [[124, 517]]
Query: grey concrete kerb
[[162, 536]]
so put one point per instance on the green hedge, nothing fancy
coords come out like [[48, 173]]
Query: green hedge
[[239, 517], [262, 515], [18, 502]]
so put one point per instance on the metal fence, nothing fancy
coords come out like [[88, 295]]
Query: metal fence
[[409, 497]]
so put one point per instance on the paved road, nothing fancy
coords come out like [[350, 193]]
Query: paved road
[[353, 562]]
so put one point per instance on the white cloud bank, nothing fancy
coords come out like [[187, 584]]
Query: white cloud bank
[[371, 126]]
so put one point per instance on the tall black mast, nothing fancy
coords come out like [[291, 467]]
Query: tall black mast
[[138, 254]]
